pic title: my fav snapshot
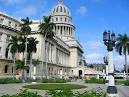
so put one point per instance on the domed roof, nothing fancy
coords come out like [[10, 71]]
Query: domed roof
[[60, 9]]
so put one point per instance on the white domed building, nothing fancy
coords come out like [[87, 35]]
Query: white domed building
[[64, 54], [61, 16], [68, 59]]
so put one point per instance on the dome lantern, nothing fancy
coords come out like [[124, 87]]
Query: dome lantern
[[60, 1]]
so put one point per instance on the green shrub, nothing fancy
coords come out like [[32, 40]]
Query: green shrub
[[23, 93], [54, 80], [69, 93], [124, 82], [52, 86], [94, 80], [9, 80], [61, 93]]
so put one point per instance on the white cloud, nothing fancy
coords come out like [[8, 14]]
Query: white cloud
[[27, 11], [94, 58], [82, 10], [94, 44], [119, 61]]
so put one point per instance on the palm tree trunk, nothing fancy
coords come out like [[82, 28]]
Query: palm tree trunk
[[126, 66], [30, 71], [25, 72], [14, 61]]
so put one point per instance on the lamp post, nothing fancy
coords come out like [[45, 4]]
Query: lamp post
[[109, 41], [106, 63]]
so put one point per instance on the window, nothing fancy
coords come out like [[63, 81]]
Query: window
[[57, 9], [1, 21], [8, 37], [15, 26], [0, 36], [9, 24], [0, 50], [6, 53], [54, 10], [65, 19], [56, 19], [12, 69], [6, 69], [60, 9], [68, 12], [60, 19], [52, 20], [64, 10]]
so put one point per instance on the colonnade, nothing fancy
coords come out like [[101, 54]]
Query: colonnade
[[63, 31]]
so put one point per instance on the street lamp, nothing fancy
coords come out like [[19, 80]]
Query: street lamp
[[106, 63], [109, 41]]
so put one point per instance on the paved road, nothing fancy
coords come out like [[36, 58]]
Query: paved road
[[14, 88], [123, 91]]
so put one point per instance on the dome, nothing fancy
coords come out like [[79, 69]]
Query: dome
[[60, 9], [61, 16]]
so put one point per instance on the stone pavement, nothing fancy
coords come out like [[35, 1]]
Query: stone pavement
[[14, 88]]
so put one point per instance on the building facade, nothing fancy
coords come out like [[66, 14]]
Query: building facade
[[63, 53]]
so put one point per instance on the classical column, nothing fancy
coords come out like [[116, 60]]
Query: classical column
[[70, 31], [62, 30], [57, 30], [3, 49]]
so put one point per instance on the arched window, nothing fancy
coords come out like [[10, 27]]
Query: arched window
[[56, 19], [12, 69], [6, 53], [60, 9], [57, 9], [54, 10], [61, 19], [68, 12], [6, 69], [65, 19], [64, 10]]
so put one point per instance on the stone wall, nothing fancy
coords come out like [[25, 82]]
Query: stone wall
[[6, 67]]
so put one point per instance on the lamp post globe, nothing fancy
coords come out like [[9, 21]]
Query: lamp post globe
[[109, 41]]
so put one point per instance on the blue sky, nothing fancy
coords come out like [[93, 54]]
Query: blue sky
[[91, 18]]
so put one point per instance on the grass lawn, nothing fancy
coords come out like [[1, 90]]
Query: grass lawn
[[54, 86]]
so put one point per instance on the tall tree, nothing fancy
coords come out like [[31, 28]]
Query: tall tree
[[32, 43], [25, 30], [22, 43], [20, 66], [13, 45], [46, 29], [122, 47]]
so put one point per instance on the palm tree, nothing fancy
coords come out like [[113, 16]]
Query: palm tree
[[122, 47], [32, 42], [22, 42], [20, 66], [25, 30], [46, 29], [13, 45]]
